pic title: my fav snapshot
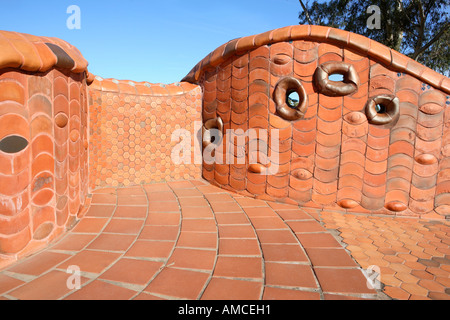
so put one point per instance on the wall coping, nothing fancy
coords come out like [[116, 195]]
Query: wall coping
[[39, 54], [361, 44]]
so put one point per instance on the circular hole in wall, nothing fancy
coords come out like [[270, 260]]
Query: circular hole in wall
[[292, 99], [13, 144], [212, 131], [380, 108], [337, 77], [383, 110]]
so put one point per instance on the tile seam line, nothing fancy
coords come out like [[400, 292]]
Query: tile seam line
[[165, 264], [88, 244], [56, 268], [319, 287], [211, 275]]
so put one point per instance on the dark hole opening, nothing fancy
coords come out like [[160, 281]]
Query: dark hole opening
[[380, 108], [292, 99], [13, 144]]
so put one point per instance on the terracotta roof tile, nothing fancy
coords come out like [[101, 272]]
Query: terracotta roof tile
[[39, 54], [141, 88], [361, 44]]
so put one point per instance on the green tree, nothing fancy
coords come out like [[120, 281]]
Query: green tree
[[419, 29]]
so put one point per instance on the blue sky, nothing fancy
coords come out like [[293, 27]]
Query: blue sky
[[146, 40]]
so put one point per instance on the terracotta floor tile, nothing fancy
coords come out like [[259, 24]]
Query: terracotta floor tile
[[112, 242], [197, 212], [132, 271], [163, 206], [406, 277], [180, 184], [249, 202], [342, 280], [306, 226], [239, 247], [221, 207], [432, 286], [260, 212], [295, 214], [132, 200], [181, 193], [199, 225], [219, 197], [276, 236], [230, 289], [101, 290], [271, 293], [317, 240], [444, 280], [328, 296], [147, 296], [163, 219], [193, 201], [51, 286], [131, 191], [100, 211], [396, 293], [267, 223], [127, 226], [73, 242], [157, 187], [105, 190], [104, 198], [169, 233], [8, 283], [256, 238], [137, 212], [326, 257], [238, 267], [91, 261], [162, 196], [208, 189], [39, 263], [199, 240], [232, 218], [192, 259], [283, 252], [151, 249], [287, 274], [90, 225], [236, 231], [178, 283], [414, 289]]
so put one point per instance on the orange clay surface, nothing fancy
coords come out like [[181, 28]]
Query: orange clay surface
[[190, 240]]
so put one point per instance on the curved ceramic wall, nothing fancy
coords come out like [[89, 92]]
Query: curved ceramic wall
[[131, 129], [378, 141], [43, 140]]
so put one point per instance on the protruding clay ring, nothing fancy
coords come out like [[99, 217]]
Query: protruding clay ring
[[383, 109], [332, 88], [216, 124], [283, 89]]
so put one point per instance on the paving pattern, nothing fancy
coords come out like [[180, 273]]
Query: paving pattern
[[191, 240]]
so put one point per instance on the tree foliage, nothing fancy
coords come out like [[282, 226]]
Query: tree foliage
[[419, 29]]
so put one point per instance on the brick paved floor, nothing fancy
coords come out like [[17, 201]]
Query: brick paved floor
[[191, 240]]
